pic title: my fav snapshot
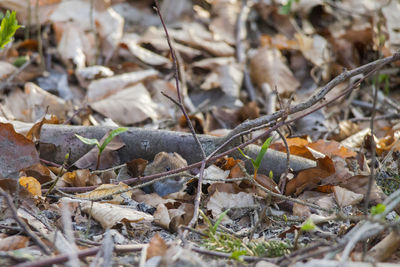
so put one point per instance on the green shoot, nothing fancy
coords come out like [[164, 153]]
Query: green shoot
[[287, 8], [378, 209], [101, 147], [8, 27], [308, 225], [256, 163], [214, 228]]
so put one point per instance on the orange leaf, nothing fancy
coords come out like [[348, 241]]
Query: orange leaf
[[31, 184]]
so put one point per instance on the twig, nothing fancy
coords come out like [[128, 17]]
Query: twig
[[240, 53], [371, 178], [283, 179], [318, 96], [391, 116], [178, 89], [23, 225], [39, 37]]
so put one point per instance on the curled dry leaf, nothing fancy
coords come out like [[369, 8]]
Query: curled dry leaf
[[144, 54], [80, 178], [75, 45], [107, 189], [194, 34], [109, 215]]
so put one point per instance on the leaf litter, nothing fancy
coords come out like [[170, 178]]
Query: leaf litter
[[97, 64]]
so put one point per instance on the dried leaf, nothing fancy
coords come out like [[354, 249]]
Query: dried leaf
[[32, 185], [157, 247], [132, 105], [18, 152], [267, 66], [109, 215]]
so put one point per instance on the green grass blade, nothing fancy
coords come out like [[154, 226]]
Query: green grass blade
[[247, 157], [218, 222], [88, 141], [111, 136], [262, 152]]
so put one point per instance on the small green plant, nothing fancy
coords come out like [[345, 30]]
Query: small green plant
[[287, 8], [8, 27], [94, 141], [308, 226], [256, 163], [378, 209], [225, 242]]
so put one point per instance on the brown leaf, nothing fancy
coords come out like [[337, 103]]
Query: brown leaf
[[17, 152], [40, 172], [332, 148], [13, 242], [31, 184], [310, 178], [267, 66], [136, 167], [157, 247]]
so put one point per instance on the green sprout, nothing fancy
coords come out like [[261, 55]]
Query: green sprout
[[256, 163], [287, 8], [378, 209], [94, 141], [308, 225], [8, 27]]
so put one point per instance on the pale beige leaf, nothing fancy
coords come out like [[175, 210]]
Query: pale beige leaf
[[223, 25], [6, 69], [107, 189], [129, 106], [102, 88], [143, 54], [109, 215], [221, 201], [346, 197], [267, 66], [391, 13]]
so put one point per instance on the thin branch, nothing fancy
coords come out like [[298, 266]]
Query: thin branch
[[318, 96], [178, 89], [23, 225]]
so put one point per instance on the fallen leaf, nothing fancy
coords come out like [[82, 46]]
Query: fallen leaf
[[13, 242], [267, 66], [346, 197], [31, 184], [310, 178], [18, 152], [157, 247], [100, 89], [109, 215], [131, 105]]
